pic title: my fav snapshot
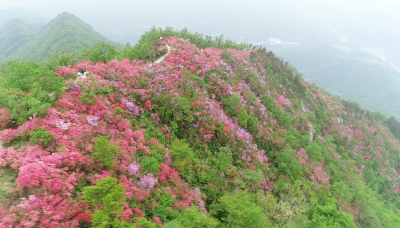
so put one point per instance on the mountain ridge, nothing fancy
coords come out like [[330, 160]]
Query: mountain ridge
[[207, 137], [65, 32], [15, 34]]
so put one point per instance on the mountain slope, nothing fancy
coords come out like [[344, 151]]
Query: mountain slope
[[349, 72], [205, 137], [64, 31], [15, 34]]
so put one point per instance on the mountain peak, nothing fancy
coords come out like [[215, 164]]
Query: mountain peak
[[14, 23], [66, 15], [65, 30], [68, 18]]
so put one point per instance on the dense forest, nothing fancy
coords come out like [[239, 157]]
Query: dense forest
[[214, 134]]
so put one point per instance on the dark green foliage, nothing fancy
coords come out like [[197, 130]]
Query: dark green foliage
[[28, 89], [144, 223], [252, 124], [109, 194], [239, 210], [122, 224], [65, 58], [232, 104], [223, 160], [152, 132], [288, 165], [163, 208], [268, 102], [253, 177], [118, 111], [194, 218], [316, 151], [41, 136], [326, 214], [170, 108], [173, 224], [233, 107], [291, 203], [181, 154], [394, 126], [105, 151], [351, 106], [99, 52], [321, 114], [181, 107], [298, 82], [94, 89], [152, 164], [293, 138], [284, 118], [369, 175], [8, 176], [227, 57]]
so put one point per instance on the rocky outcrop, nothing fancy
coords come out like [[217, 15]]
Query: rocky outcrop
[[311, 132]]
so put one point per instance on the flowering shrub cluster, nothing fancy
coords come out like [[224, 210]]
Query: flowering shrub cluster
[[172, 143]]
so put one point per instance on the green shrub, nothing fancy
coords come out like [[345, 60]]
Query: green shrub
[[239, 210], [181, 154], [28, 89], [41, 136], [105, 152], [233, 107], [109, 194]]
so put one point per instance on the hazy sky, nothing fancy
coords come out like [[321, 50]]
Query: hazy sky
[[387, 9], [374, 22]]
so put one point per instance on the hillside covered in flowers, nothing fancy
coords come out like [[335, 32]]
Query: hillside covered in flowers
[[215, 135]]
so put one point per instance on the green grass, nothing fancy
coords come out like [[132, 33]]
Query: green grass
[[7, 182]]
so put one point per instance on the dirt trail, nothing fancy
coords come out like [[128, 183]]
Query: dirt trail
[[161, 58]]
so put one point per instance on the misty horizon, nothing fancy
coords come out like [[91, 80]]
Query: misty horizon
[[367, 23], [318, 38]]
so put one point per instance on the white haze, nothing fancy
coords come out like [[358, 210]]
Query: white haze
[[372, 23]]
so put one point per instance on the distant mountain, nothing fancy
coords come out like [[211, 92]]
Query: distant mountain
[[14, 35], [366, 75], [66, 31], [16, 12]]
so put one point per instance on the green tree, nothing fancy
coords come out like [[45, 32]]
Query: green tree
[[41, 136], [28, 89], [100, 52], [292, 203], [109, 194], [181, 153], [192, 217], [317, 151], [233, 107], [239, 211], [105, 152]]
